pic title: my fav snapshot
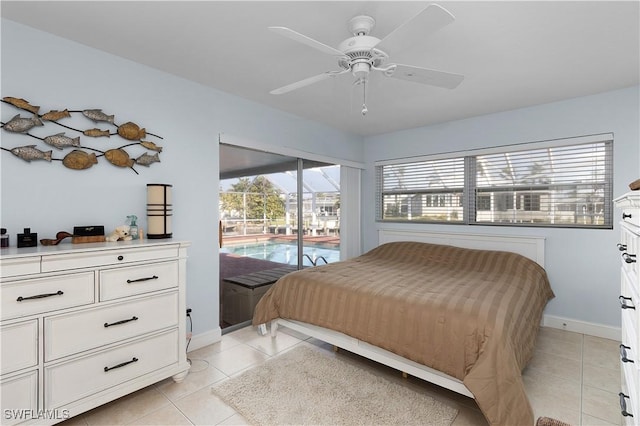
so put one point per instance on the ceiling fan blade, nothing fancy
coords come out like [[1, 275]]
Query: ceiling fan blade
[[306, 82], [425, 76], [426, 22], [301, 38]]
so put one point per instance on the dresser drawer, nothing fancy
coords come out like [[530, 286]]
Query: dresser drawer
[[70, 381], [34, 296], [75, 332], [116, 256], [19, 346], [19, 398], [19, 266], [122, 282]]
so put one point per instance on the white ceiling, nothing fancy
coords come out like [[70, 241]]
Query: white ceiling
[[513, 54]]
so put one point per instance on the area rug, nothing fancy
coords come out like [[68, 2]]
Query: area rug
[[548, 421], [305, 386]]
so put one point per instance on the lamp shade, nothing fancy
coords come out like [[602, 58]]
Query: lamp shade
[[159, 210]]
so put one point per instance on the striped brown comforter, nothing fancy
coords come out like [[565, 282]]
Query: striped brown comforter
[[472, 314]]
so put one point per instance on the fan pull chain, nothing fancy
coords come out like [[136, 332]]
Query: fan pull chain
[[364, 97]]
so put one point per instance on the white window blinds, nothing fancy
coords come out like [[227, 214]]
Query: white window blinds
[[564, 183], [427, 191]]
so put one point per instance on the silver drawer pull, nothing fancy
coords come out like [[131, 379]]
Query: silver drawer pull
[[622, 247], [623, 303], [629, 258], [142, 279], [623, 405], [120, 365], [40, 296], [623, 353], [106, 324]]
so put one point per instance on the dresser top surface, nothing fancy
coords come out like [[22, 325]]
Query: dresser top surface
[[69, 248], [629, 199]]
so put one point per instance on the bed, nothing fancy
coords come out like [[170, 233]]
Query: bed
[[461, 311]]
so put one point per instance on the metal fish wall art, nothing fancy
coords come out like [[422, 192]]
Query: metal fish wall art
[[152, 146], [55, 115], [79, 158], [22, 104], [96, 133], [97, 115], [19, 125], [131, 131], [60, 141], [30, 152], [119, 157], [147, 160]]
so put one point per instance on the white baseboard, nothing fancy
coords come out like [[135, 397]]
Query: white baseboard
[[592, 329], [589, 328], [205, 339]]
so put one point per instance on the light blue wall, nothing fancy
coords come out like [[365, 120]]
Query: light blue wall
[[57, 74], [47, 197], [583, 265]]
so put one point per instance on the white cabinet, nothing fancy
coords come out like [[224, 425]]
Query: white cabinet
[[629, 246], [85, 324]]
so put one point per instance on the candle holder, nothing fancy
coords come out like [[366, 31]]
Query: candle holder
[[159, 211]]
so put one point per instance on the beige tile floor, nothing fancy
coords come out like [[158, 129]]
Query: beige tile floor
[[572, 377]]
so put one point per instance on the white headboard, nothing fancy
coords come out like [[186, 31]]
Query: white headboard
[[531, 247]]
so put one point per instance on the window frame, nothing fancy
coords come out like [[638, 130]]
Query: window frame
[[526, 201]]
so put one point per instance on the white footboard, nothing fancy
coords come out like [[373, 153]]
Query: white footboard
[[374, 353]]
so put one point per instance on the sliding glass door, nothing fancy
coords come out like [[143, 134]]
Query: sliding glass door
[[277, 214]]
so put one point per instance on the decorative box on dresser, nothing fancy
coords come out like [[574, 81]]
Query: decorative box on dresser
[[629, 246], [84, 324]]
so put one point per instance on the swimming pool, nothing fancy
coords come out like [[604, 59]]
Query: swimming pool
[[284, 252]]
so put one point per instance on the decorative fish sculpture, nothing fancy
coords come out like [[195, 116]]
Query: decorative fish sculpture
[[21, 103], [60, 141], [150, 145], [19, 125], [119, 157], [97, 115], [30, 152], [79, 160], [147, 160], [96, 133], [131, 131], [55, 115]]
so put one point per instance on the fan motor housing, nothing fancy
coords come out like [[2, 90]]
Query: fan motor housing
[[358, 50]]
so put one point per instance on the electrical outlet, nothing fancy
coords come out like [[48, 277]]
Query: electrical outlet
[[188, 311]]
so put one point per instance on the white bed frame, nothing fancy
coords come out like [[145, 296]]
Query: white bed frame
[[531, 247]]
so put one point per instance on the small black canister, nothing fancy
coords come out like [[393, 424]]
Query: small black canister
[[27, 239], [4, 238]]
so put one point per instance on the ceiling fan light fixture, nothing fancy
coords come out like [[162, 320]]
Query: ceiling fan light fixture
[[361, 70]]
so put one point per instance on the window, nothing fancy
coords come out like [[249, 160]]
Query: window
[[427, 191], [562, 183]]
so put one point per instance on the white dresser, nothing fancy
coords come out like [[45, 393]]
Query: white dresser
[[629, 246], [83, 324]]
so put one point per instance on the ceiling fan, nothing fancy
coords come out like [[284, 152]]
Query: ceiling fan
[[363, 53]]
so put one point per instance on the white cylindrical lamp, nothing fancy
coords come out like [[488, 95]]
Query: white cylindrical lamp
[[159, 211]]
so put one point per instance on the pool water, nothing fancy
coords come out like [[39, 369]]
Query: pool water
[[284, 252]]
